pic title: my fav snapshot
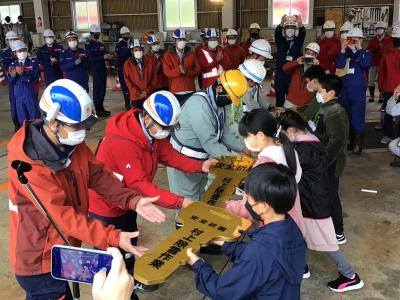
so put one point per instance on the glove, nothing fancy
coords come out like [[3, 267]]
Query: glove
[[77, 61]]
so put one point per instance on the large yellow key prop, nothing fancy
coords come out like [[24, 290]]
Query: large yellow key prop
[[203, 221]]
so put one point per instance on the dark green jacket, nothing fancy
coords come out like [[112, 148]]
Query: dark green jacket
[[310, 111], [333, 130]]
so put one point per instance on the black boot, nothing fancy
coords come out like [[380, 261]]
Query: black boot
[[350, 146], [371, 93], [127, 102], [106, 113], [16, 125], [359, 139]]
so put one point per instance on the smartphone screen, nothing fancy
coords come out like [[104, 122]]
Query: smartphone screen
[[78, 264]]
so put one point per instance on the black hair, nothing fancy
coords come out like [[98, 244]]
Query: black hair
[[261, 120], [273, 184], [332, 83], [315, 72], [292, 119]]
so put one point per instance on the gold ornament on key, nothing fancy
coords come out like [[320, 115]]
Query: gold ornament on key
[[203, 222]]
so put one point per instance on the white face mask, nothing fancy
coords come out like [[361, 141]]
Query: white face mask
[[49, 40], [248, 146], [343, 35], [74, 137], [320, 99], [181, 44], [289, 32], [212, 44], [72, 44], [10, 43], [22, 55], [155, 48], [138, 54], [329, 34], [161, 134], [231, 41], [380, 31]]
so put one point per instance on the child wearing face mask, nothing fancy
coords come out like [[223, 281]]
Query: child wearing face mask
[[289, 39], [299, 95], [24, 74], [233, 50], [354, 62], [212, 59], [332, 129], [262, 134], [380, 43], [156, 54], [49, 58], [329, 47], [140, 75], [314, 188], [270, 265]]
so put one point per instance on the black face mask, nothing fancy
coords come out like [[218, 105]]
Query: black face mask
[[222, 100], [396, 42], [96, 36], [252, 213], [126, 38], [254, 35]]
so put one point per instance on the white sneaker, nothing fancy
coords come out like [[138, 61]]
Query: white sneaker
[[386, 140]]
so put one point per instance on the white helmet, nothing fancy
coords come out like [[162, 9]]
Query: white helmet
[[135, 43], [346, 26], [396, 32], [68, 102], [18, 45], [11, 35], [329, 25], [261, 47], [381, 24], [71, 34], [163, 108], [48, 33], [313, 47], [212, 33], [179, 34], [231, 32], [95, 28], [255, 26], [124, 29], [291, 21], [151, 39], [253, 70], [355, 32]]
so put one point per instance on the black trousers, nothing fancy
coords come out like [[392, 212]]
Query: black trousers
[[336, 204]]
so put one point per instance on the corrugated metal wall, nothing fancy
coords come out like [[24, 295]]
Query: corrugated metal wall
[[207, 14]]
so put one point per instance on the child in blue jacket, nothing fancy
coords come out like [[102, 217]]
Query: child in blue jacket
[[271, 265]]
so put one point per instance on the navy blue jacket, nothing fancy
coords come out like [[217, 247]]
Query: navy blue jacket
[[287, 48], [7, 57], [270, 266], [78, 73], [123, 53], [52, 72], [360, 61], [96, 50]]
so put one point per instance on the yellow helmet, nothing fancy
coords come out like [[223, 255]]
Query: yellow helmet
[[235, 84]]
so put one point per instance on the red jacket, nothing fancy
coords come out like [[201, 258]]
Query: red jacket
[[246, 45], [329, 50], [377, 48], [160, 78], [127, 151], [298, 93], [139, 81], [179, 82], [389, 70], [65, 196], [236, 55], [210, 68]]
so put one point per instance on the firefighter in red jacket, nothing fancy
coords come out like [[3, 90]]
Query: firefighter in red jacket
[[139, 74], [233, 50], [389, 79], [181, 67], [211, 59], [299, 95], [329, 47], [156, 55], [135, 142], [377, 45], [200, 46]]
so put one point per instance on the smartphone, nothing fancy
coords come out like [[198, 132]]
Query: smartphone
[[78, 264], [308, 60]]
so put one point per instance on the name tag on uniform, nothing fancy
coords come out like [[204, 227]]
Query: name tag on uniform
[[350, 71], [289, 58]]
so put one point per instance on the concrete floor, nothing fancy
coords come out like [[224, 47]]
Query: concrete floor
[[372, 226]]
